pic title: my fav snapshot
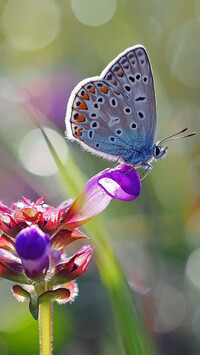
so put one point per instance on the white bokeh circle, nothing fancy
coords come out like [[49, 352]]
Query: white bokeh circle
[[35, 154], [93, 12], [30, 25]]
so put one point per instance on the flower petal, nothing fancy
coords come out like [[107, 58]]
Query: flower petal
[[20, 293], [27, 215], [64, 207], [65, 237], [61, 295], [40, 200], [92, 200], [73, 287], [73, 267], [8, 273], [4, 208], [8, 225], [7, 258], [48, 220], [33, 247], [122, 183], [6, 243]]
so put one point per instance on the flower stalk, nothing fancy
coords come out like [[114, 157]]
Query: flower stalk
[[46, 325]]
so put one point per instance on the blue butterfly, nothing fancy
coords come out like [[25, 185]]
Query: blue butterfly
[[114, 114]]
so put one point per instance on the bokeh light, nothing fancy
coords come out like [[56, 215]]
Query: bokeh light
[[35, 154], [183, 56], [193, 267], [30, 25], [93, 13], [9, 91], [170, 308]]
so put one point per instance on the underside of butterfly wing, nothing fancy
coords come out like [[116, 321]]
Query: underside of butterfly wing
[[111, 115], [132, 73]]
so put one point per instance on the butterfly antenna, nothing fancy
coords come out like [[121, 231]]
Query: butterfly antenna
[[174, 136]]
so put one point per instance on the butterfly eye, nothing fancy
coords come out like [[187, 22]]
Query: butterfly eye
[[157, 151]]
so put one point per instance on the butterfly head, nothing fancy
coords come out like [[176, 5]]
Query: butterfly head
[[160, 152]]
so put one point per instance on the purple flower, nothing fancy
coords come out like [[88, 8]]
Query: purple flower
[[34, 237], [33, 247], [122, 183]]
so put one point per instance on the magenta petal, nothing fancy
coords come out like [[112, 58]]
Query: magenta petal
[[96, 198], [91, 201], [10, 260], [122, 183], [71, 268], [4, 208]]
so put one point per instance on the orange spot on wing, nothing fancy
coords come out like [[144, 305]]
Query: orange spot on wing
[[78, 133], [86, 96], [83, 106], [80, 118], [116, 92], [104, 89], [92, 90], [114, 81], [120, 73]]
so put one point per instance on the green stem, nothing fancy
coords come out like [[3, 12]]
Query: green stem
[[45, 309]]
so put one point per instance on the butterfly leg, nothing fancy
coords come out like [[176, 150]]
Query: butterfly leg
[[114, 164], [148, 169]]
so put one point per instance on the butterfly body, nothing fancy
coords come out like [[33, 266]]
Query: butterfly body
[[114, 115]]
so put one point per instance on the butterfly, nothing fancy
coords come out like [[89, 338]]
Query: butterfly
[[114, 115]]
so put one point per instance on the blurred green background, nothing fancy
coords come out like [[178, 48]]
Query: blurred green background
[[46, 48]]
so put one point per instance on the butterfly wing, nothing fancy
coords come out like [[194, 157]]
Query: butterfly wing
[[131, 72], [100, 118], [111, 114]]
